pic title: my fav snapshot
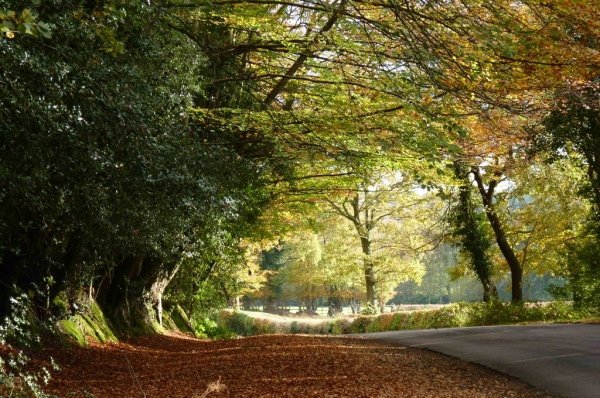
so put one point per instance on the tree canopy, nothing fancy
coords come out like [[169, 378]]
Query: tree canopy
[[163, 147]]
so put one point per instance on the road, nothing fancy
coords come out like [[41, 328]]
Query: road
[[563, 360]]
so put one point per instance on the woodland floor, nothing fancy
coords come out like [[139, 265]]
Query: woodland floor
[[271, 366]]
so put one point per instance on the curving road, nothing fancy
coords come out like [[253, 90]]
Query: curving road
[[563, 360]]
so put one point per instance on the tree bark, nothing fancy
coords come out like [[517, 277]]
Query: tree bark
[[132, 298], [516, 270], [355, 214], [369, 271], [474, 240], [157, 288], [334, 301]]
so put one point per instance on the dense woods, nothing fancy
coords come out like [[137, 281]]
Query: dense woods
[[211, 153]]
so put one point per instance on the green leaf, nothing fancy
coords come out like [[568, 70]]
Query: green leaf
[[7, 26], [25, 29], [44, 30]]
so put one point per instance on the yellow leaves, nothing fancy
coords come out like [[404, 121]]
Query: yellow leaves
[[426, 100], [542, 215], [251, 277]]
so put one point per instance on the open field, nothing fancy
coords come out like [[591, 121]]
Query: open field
[[346, 310]]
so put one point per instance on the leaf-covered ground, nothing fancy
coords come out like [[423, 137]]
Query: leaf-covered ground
[[271, 366]]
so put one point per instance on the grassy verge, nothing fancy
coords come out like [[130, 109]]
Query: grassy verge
[[455, 315]]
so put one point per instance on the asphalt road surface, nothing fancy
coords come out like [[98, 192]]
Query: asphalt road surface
[[563, 360]]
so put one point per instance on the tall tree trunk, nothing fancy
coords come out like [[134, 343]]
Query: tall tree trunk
[[334, 301], [354, 212], [114, 292], [473, 238], [369, 271], [490, 293], [516, 270], [354, 306], [68, 275]]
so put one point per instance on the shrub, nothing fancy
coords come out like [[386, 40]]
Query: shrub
[[416, 321], [341, 326], [294, 328], [207, 327], [562, 311], [398, 320], [261, 326], [468, 314], [496, 313], [385, 321], [234, 321], [455, 315], [322, 328], [360, 324], [16, 379], [369, 310], [380, 324], [450, 316]]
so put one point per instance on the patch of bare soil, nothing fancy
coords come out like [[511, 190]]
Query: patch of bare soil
[[271, 366]]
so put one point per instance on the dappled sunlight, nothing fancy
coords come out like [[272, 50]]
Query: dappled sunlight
[[235, 168]]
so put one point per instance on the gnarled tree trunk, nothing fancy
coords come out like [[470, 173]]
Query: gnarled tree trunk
[[132, 297]]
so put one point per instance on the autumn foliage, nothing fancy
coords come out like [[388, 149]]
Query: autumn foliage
[[271, 366]]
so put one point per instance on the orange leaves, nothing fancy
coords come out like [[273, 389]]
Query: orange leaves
[[272, 366], [495, 134]]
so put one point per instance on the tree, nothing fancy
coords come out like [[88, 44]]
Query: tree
[[542, 215], [302, 275], [379, 210], [573, 125], [316, 259], [523, 214], [570, 130], [341, 263], [469, 229], [109, 186], [515, 266]]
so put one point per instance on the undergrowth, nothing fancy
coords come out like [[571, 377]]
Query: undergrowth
[[455, 315], [18, 332]]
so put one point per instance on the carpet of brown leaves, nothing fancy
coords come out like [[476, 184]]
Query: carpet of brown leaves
[[271, 366]]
